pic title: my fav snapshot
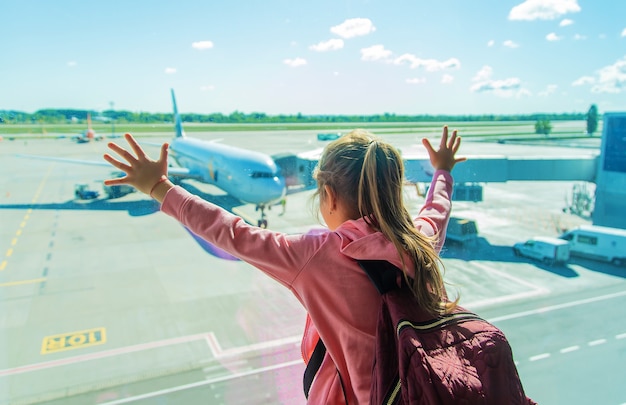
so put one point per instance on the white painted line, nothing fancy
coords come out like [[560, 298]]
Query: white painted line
[[218, 352], [204, 382], [597, 342], [621, 336], [557, 307], [535, 290], [569, 349], [539, 357]]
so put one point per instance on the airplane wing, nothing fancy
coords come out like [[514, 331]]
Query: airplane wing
[[177, 172], [66, 160]]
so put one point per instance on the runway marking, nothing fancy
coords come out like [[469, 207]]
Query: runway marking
[[539, 357], [569, 349], [597, 342], [29, 211], [621, 336], [535, 290], [204, 382], [144, 346], [557, 307], [218, 352], [21, 282], [73, 340]]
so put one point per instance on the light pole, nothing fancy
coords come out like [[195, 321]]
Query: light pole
[[112, 121]]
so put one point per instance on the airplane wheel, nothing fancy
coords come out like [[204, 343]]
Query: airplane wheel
[[263, 223]]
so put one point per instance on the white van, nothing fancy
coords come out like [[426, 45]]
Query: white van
[[543, 248], [598, 243]]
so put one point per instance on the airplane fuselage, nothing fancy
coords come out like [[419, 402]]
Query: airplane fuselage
[[249, 176]]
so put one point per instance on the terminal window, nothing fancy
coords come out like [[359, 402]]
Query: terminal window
[[615, 145]]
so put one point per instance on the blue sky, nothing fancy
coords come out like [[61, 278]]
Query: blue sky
[[315, 57]]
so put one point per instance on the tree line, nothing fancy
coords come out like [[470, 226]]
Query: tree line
[[62, 116]]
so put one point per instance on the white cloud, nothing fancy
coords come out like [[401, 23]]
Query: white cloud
[[565, 22], [581, 81], [491, 43], [202, 45], [579, 37], [553, 37], [447, 79], [510, 44], [72, 63], [353, 27], [375, 52], [510, 87], [483, 74], [330, 45], [624, 32], [295, 62], [550, 89], [170, 70], [416, 80], [612, 78], [431, 65], [208, 87], [543, 9]]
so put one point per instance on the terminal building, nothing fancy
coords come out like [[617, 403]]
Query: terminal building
[[607, 169]]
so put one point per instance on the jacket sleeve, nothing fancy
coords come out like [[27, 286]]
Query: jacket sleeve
[[279, 255], [433, 217]]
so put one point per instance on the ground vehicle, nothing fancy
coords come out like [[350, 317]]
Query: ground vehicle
[[546, 249], [461, 230], [117, 191], [598, 243], [82, 192]]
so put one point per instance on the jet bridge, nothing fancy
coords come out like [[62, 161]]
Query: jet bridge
[[607, 170]]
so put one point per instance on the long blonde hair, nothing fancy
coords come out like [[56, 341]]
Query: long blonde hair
[[367, 174]]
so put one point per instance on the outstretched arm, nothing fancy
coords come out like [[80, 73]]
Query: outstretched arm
[[444, 158], [145, 174]]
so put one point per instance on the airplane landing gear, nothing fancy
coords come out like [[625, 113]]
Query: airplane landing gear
[[262, 222]]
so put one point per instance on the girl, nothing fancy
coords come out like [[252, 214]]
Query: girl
[[359, 185]]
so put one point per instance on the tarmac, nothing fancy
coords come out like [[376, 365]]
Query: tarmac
[[110, 301]]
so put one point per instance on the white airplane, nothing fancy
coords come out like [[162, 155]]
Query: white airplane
[[249, 176]]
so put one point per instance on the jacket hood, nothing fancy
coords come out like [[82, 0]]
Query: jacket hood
[[361, 242]]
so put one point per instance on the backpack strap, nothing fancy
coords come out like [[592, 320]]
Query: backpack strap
[[313, 365], [382, 274]]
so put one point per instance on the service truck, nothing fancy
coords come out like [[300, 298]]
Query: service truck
[[545, 249], [598, 243]]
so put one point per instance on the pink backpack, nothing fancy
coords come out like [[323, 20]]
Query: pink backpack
[[458, 358]]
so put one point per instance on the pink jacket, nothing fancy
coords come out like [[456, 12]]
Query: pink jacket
[[321, 272]]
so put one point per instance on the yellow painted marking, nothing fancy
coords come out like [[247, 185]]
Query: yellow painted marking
[[12, 283], [73, 340], [19, 232]]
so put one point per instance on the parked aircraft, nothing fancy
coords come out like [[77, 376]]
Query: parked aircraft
[[249, 176], [87, 135]]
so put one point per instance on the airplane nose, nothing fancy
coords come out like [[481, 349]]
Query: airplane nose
[[279, 188]]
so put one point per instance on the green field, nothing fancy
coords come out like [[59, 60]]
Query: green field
[[481, 129]]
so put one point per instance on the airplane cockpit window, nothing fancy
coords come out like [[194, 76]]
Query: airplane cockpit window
[[262, 175], [106, 299]]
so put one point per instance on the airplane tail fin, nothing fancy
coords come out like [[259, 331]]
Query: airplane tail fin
[[178, 123]]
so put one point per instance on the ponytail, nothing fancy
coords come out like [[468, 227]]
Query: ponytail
[[369, 175]]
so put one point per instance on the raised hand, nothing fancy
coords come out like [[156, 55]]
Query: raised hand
[[142, 172], [445, 157]]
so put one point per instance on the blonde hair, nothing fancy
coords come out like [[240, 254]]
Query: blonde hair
[[367, 173]]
